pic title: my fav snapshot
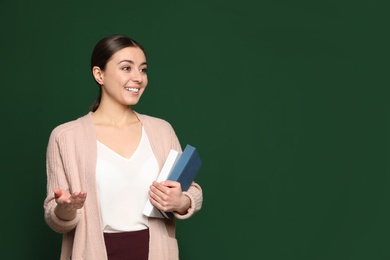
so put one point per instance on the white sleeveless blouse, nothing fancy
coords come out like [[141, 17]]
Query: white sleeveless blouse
[[123, 185]]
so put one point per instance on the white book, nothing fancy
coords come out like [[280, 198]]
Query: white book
[[170, 162]]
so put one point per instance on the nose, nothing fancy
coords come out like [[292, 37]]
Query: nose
[[137, 76]]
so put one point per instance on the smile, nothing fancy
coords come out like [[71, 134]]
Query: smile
[[134, 90]]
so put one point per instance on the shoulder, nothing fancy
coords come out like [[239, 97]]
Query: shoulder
[[161, 135], [154, 121], [74, 127]]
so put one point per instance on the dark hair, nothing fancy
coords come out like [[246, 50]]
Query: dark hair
[[103, 52]]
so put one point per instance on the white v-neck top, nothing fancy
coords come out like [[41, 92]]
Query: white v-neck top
[[123, 186]]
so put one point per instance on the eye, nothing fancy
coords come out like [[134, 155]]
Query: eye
[[144, 70], [127, 68]]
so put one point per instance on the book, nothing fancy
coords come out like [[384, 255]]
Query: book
[[150, 210], [185, 171], [181, 167]]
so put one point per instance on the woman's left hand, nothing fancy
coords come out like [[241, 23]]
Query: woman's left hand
[[168, 197]]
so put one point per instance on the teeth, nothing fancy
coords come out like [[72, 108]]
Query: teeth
[[134, 90]]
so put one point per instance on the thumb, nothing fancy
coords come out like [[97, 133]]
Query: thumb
[[57, 193], [169, 183]]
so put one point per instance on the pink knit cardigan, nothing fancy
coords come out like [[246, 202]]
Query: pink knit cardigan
[[71, 165]]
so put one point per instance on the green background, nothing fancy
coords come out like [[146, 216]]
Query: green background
[[285, 100]]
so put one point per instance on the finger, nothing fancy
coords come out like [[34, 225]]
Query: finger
[[57, 193], [167, 190], [82, 196], [161, 197], [155, 200], [156, 193], [169, 183], [158, 187], [156, 204]]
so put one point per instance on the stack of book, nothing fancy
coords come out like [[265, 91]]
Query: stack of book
[[181, 167]]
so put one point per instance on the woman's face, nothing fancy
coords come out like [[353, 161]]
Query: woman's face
[[124, 79]]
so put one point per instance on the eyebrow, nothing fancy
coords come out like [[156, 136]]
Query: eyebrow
[[132, 62]]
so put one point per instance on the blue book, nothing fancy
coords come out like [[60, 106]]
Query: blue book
[[185, 170]]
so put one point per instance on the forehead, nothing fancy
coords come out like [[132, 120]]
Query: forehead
[[134, 54]]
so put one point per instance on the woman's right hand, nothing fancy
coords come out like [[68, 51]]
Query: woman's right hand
[[68, 204]]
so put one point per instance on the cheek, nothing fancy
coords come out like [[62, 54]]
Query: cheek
[[145, 81], [122, 79], [115, 78]]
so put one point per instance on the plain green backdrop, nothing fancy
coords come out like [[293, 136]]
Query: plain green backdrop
[[286, 102]]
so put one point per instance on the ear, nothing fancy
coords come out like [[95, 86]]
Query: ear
[[98, 75]]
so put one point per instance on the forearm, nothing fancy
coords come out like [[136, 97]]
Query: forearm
[[57, 224], [65, 214]]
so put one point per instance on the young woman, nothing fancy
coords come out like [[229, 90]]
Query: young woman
[[101, 168]]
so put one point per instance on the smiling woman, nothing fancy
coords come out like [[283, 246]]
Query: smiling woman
[[118, 55], [123, 79], [101, 168]]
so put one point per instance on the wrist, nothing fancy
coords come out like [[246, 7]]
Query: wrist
[[185, 205], [64, 214]]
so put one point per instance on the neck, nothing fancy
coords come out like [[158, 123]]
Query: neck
[[114, 117]]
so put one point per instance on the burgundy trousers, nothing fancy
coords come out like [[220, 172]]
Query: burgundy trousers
[[132, 245]]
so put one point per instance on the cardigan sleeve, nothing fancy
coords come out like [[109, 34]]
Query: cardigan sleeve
[[195, 195], [56, 178]]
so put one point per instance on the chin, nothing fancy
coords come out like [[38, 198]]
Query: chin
[[132, 103]]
